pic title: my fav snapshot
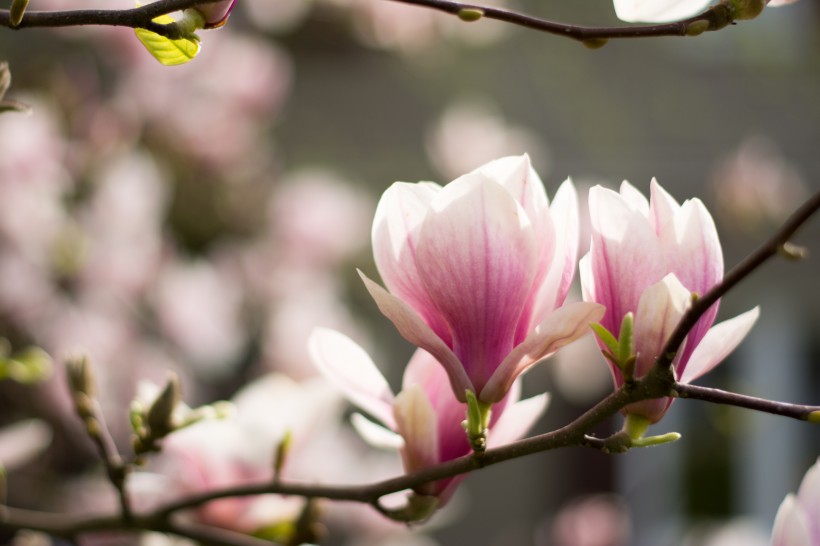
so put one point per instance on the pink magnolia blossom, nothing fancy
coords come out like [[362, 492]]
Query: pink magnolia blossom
[[798, 519], [478, 270], [216, 14], [647, 258], [424, 421]]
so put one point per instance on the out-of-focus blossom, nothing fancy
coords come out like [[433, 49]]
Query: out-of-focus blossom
[[648, 258], [22, 441], [478, 271], [199, 308], [223, 453], [425, 418], [470, 133], [597, 520], [756, 188], [798, 519], [331, 229]]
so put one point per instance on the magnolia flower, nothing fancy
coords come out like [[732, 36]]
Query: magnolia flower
[[664, 11], [798, 519], [423, 421], [216, 13], [648, 258], [478, 270]]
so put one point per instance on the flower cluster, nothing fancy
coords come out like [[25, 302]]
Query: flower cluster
[[477, 273]]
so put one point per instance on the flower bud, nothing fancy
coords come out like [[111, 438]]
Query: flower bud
[[216, 13]]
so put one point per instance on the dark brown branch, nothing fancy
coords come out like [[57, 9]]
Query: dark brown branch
[[764, 252], [717, 396], [141, 17]]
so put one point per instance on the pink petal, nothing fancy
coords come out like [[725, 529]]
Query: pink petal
[[716, 345], [790, 525], [661, 307], [416, 331], [476, 256], [517, 420], [417, 424], [634, 198], [692, 251], [563, 326], [809, 498], [625, 256], [351, 369], [554, 289], [396, 227], [662, 208]]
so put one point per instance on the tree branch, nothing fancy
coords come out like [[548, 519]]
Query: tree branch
[[717, 396], [715, 18], [141, 17]]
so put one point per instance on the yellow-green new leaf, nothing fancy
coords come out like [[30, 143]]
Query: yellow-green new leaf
[[167, 51]]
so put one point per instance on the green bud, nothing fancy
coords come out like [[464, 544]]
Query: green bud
[[792, 251], [281, 455], [478, 420], [625, 351], [470, 14], [650, 441], [595, 43], [697, 28], [80, 376], [814, 417], [160, 415], [18, 8], [748, 9]]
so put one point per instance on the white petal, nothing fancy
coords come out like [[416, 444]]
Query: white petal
[[661, 307], [658, 11], [809, 495], [351, 369], [417, 423], [22, 441], [416, 331], [790, 525], [517, 420], [554, 289], [375, 434], [562, 327], [636, 200], [718, 342]]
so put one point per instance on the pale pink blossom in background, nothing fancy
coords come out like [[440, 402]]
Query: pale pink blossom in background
[[424, 420], [648, 258], [595, 520], [199, 308], [22, 441], [469, 133], [756, 188], [478, 271], [798, 519]]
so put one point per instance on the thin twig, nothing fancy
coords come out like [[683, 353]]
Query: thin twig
[[717, 396], [141, 17]]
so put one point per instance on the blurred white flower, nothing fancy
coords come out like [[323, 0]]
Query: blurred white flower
[[471, 133], [22, 441], [798, 519]]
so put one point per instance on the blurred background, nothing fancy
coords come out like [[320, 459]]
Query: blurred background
[[205, 218]]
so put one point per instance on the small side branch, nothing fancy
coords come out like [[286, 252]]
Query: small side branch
[[141, 17], [717, 396]]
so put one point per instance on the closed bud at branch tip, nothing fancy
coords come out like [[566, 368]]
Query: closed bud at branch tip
[[747, 9], [160, 415], [80, 376], [814, 417], [470, 14]]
